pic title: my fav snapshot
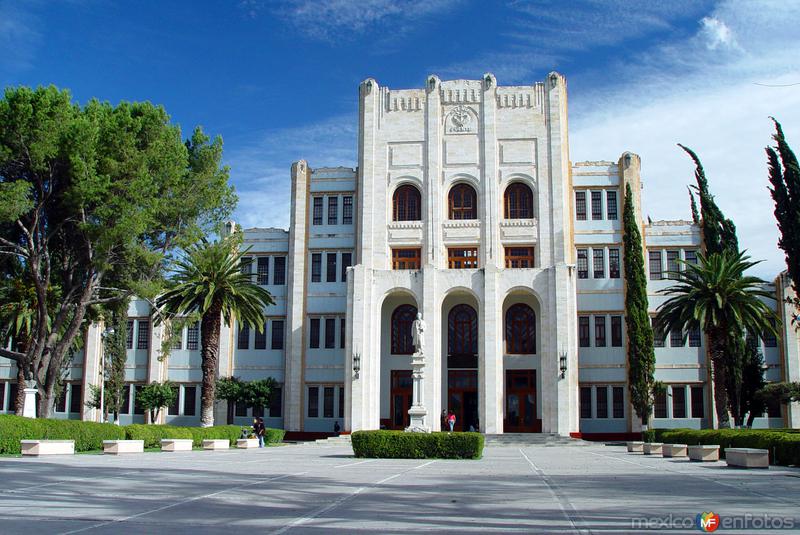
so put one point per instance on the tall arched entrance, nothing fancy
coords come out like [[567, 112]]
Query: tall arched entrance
[[521, 362], [460, 377], [398, 312]]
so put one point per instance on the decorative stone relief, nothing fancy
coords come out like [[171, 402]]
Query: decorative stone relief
[[461, 120]]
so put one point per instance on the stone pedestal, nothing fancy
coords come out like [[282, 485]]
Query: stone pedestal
[[29, 408], [417, 412]]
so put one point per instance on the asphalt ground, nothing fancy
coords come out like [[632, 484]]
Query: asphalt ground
[[315, 489]]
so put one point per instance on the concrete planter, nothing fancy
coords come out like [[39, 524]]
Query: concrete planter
[[115, 447], [247, 443], [216, 444], [747, 457], [47, 447], [652, 448], [674, 450], [176, 444], [635, 447], [704, 452]]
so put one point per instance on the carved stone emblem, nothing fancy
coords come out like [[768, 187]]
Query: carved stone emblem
[[461, 120]]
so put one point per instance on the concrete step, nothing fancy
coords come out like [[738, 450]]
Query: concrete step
[[533, 439]]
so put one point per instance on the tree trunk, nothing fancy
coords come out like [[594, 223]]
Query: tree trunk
[[209, 334], [20, 390], [719, 377]]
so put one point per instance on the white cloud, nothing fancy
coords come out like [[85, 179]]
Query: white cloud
[[260, 170], [717, 34], [19, 35]]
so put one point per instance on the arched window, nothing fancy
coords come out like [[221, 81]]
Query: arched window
[[463, 202], [462, 331], [402, 318], [406, 204], [518, 201], [520, 330]]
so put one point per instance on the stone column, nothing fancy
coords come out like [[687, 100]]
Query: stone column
[[490, 364], [418, 414], [29, 408], [93, 371]]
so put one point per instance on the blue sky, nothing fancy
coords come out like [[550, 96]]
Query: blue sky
[[278, 79]]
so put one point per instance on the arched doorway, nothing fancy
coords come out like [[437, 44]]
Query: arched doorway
[[398, 311], [462, 365], [521, 360]]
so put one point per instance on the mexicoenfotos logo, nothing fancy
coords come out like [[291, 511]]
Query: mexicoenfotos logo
[[707, 522]]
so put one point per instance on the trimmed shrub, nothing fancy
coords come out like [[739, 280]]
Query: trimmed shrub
[[402, 445], [87, 435], [274, 436], [783, 446]]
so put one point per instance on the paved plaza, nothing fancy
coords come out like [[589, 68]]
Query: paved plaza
[[310, 489]]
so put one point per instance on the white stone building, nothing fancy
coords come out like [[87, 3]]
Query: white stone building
[[464, 207]]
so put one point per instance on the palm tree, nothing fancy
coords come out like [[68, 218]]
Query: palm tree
[[209, 281], [17, 318], [715, 296]]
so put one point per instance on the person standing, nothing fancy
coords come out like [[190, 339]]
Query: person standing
[[451, 420], [260, 430]]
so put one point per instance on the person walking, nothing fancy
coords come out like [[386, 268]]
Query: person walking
[[451, 420], [260, 430]]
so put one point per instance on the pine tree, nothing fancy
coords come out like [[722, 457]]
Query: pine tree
[[641, 356], [784, 175]]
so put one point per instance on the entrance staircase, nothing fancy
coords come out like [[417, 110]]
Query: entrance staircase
[[341, 440], [533, 439]]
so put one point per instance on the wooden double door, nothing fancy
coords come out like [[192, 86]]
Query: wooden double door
[[402, 396], [520, 416]]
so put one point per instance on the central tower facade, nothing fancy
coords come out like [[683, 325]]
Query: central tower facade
[[464, 215]]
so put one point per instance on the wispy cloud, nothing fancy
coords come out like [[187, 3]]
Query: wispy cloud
[[19, 35], [341, 20], [260, 170]]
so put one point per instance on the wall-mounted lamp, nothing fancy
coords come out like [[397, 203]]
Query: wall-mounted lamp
[[356, 364], [562, 363]]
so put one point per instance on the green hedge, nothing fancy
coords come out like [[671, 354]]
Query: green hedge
[[783, 446], [90, 435], [87, 435], [402, 445]]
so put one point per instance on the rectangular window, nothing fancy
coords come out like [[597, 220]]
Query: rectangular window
[[333, 210], [676, 338], [75, 401], [463, 258], [279, 270], [672, 264], [660, 404], [655, 265], [694, 337], [327, 402], [597, 205], [618, 401], [406, 258], [313, 341], [317, 211], [313, 401], [341, 402], [330, 333], [125, 406], [330, 269], [143, 336], [276, 403], [262, 271], [580, 205], [613, 263], [583, 263], [773, 408], [3, 397], [519, 257], [690, 257], [260, 341], [189, 400], [137, 405], [770, 340], [583, 331], [277, 334], [599, 331], [246, 264], [598, 264], [602, 401], [243, 340], [586, 402], [659, 336], [193, 336], [12, 397], [611, 205], [341, 332], [240, 409], [679, 401], [177, 340], [61, 402], [129, 335], [347, 261], [347, 210], [616, 331], [316, 267]]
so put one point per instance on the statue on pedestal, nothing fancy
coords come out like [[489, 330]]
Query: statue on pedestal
[[417, 412]]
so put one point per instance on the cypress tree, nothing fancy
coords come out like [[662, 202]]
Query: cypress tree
[[784, 176], [641, 356]]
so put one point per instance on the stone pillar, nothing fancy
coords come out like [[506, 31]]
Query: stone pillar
[[156, 366], [431, 311], [417, 412], [790, 346], [29, 408], [93, 370], [490, 358], [432, 195]]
